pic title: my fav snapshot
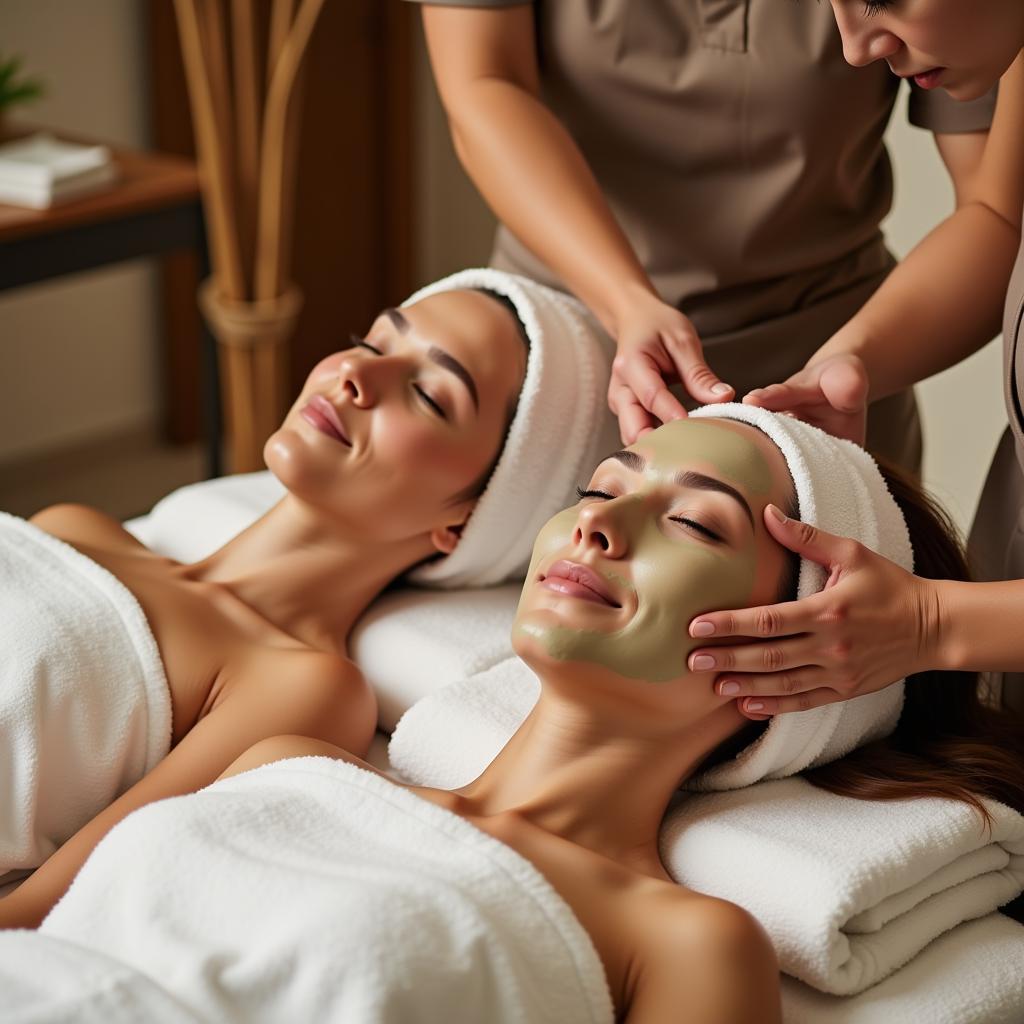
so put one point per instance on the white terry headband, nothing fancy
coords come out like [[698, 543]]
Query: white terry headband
[[839, 488], [561, 428]]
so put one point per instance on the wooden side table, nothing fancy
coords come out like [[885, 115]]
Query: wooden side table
[[154, 207]]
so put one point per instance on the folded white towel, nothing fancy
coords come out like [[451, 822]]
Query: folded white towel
[[847, 889], [311, 890], [973, 974], [840, 489], [84, 706], [561, 428]]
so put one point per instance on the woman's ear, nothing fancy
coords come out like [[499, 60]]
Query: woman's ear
[[444, 538]]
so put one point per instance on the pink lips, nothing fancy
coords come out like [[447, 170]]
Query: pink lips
[[576, 580], [321, 414], [928, 79]]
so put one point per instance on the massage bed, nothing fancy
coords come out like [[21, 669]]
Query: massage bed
[[899, 960]]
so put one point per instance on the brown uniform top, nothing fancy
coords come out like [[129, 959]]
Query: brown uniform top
[[744, 159]]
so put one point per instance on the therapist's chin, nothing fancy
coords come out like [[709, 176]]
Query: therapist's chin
[[966, 87]]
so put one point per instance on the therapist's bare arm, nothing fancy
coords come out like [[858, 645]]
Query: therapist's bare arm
[[535, 179], [945, 300]]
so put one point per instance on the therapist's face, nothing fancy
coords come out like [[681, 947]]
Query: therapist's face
[[390, 436], [962, 46], [666, 529]]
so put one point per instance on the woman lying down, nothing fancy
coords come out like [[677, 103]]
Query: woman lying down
[[126, 677], [315, 888]]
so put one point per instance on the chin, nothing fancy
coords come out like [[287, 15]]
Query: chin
[[973, 89]]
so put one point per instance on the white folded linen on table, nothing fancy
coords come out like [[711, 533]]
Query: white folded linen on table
[[312, 890], [848, 890], [85, 710], [973, 974]]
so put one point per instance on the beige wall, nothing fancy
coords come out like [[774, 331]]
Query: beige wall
[[962, 408], [77, 357]]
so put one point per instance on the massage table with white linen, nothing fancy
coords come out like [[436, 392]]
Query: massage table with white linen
[[413, 644]]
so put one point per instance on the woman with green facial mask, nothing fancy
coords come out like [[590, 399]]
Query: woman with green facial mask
[[669, 527]]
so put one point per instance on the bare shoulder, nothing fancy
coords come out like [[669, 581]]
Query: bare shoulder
[[281, 748], [708, 956], [80, 524], [303, 692]]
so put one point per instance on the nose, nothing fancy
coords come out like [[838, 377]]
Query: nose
[[599, 527], [863, 41], [364, 378]]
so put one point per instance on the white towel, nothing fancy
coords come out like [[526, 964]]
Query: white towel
[[847, 889], [311, 890], [561, 428], [971, 975], [84, 706], [840, 489]]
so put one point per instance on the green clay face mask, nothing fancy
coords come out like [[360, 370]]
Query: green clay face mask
[[667, 572]]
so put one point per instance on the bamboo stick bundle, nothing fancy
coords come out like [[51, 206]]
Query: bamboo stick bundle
[[246, 125]]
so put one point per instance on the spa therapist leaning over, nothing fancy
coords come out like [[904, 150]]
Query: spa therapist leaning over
[[877, 623], [709, 177]]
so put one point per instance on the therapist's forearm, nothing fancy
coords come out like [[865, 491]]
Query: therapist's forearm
[[941, 304], [535, 179], [979, 626]]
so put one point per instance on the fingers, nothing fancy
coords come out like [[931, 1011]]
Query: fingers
[[700, 381], [643, 378], [759, 708], [783, 656], [634, 419], [809, 541], [773, 684], [763, 621], [783, 397]]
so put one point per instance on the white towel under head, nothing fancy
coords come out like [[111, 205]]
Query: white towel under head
[[561, 429], [840, 489]]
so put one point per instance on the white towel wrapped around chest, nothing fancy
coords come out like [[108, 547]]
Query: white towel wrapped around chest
[[84, 706], [312, 890]]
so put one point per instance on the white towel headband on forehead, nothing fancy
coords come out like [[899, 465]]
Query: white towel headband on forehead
[[561, 428]]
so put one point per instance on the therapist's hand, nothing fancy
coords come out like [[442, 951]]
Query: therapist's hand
[[831, 395], [657, 344], [873, 623]]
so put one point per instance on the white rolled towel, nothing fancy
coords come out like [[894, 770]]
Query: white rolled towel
[[561, 428]]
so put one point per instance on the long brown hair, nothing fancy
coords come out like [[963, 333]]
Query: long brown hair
[[948, 743]]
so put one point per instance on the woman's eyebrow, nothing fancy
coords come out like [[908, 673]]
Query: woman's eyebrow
[[438, 355], [708, 483], [688, 478], [448, 362]]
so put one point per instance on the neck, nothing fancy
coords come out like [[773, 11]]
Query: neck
[[579, 772], [309, 576]]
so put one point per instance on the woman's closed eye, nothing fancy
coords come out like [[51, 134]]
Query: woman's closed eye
[[692, 524], [430, 402], [593, 493], [363, 343]]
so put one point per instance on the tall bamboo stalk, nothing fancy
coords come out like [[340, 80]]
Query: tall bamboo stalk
[[246, 126]]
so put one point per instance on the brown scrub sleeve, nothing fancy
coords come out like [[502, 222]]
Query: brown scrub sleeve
[[937, 111]]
